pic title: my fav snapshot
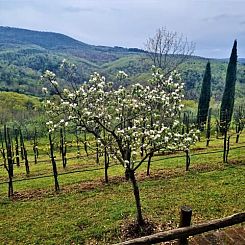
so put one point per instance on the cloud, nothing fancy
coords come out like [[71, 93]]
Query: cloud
[[116, 10], [223, 17], [209, 23], [72, 9]]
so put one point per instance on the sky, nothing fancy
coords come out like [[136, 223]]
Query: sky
[[211, 24]]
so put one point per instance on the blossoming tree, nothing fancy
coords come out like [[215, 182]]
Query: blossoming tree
[[126, 121]]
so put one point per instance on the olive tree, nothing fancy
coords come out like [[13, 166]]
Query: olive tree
[[120, 118]]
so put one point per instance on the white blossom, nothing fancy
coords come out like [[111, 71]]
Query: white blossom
[[44, 90], [55, 83], [139, 116]]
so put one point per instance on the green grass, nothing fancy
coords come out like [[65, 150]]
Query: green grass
[[90, 215], [99, 213]]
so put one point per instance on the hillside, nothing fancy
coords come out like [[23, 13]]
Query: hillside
[[26, 54], [49, 41], [18, 107], [242, 60]]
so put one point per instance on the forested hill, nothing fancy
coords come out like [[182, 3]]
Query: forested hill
[[26, 54], [51, 41], [242, 60], [48, 40]]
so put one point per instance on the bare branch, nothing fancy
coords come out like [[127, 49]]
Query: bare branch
[[168, 50]]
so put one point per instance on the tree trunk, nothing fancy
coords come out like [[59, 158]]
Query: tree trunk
[[9, 168], [78, 146], [149, 164], [35, 146], [97, 153], [63, 147], [26, 162], [208, 132], [85, 143], [140, 219], [237, 138], [106, 158], [24, 154], [227, 149], [188, 160], [17, 148], [10, 189], [217, 130], [35, 154], [225, 145], [57, 188], [238, 131]]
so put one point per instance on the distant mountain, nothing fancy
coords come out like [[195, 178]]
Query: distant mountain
[[26, 54], [48, 40], [241, 60], [61, 43]]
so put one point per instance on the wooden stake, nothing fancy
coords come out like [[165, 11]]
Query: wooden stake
[[185, 220]]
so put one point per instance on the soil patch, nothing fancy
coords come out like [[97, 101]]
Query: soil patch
[[100, 183]]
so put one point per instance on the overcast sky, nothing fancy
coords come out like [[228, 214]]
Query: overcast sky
[[211, 24]]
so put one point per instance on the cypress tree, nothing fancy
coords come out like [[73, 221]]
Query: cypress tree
[[227, 103], [204, 99]]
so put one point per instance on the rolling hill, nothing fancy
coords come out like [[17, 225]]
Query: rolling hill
[[26, 54], [56, 42]]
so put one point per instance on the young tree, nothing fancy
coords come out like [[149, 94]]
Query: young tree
[[168, 50], [228, 98], [9, 167], [204, 99], [52, 158], [208, 132], [239, 118], [120, 118]]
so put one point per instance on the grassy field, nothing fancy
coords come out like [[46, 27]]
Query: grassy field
[[86, 211]]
